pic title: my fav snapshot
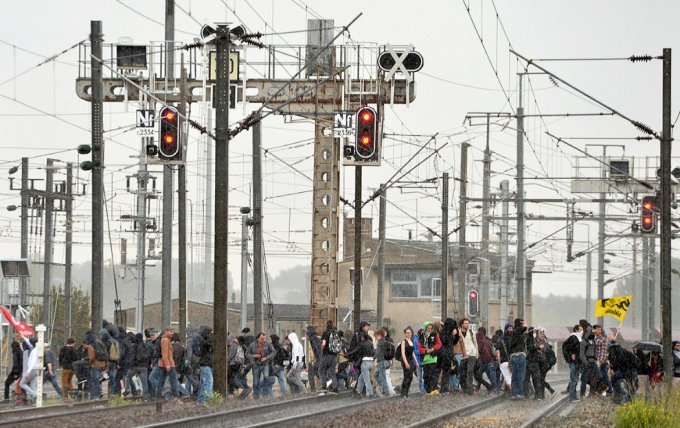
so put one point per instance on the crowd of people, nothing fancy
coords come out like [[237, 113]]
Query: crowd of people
[[445, 357]]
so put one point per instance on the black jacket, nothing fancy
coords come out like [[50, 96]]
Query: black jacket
[[362, 350], [518, 340], [17, 358], [448, 339], [127, 348], [205, 347], [67, 356]]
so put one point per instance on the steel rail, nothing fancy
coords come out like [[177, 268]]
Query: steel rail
[[546, 412]]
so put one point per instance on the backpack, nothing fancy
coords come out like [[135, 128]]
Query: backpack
[[390, 351], [397, 352], [334, 343], [142, 354], [114, 351], [550, 358], [100, 352], [195, 350], [240, 357], [569, 347]]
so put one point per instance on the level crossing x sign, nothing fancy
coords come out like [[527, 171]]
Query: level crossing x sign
[[145, 122], [343, 124]]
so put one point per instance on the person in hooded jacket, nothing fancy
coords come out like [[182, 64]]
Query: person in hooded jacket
[[107, 338], [280, 361], [518, 357], [487, 361], [192, 371], [364, 326], [535, 359], [588, 361], [205, 363], [364, 352], [428, 344], [503, 357], [571, 350], [446, 361], [419, 360], [29, 378], [126, 361], [17, 365], [623, 364], [297, 362]]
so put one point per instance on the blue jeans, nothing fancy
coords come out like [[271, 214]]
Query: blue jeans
[[206, 386], [141, 372], [519, 368], [421, 381], [604, 375], [53, 381], [454, 379], [574, 372], [365, 378], [490, 370], [260, 374], [29, 383], [158, 378], [154, 379], [281, 376], [624, 375], [381, 375], [95, 386], [113, 384]]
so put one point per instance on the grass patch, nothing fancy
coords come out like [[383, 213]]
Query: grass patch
[[215, 399], [663, 412]]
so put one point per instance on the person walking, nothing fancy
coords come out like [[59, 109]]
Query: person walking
[[205, 363], [98, 358], [419, 361], [549, 359], [364, 352], [518, 357], [469, 354], [260, 353], [571, 351], [140, 361], [428, 344], [487, 359], [330, 347], [297, 362], [409, 364], [50, 368], [601, 348], [15, 372], [588, 362], [166, 363], [279, 363]]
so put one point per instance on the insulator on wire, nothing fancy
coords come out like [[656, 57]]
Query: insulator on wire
[[642, 127], [640, 58]]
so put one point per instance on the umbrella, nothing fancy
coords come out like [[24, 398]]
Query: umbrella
[[648, 346]]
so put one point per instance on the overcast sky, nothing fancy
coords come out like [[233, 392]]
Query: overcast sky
[[41, 115]]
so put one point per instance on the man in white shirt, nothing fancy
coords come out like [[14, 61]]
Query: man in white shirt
[[469, 354]]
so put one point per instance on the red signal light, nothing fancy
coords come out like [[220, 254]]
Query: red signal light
[[169, 139], [473, 294], [170, 116], [647, 220], [366, 116], [648, 205], [365, 140]]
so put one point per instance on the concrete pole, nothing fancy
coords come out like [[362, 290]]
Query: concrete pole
[[168, 185], [24, 229], [665, 271], [49, 241], [589, 291], [356, 314], [244, 271], [182, 212], [382, 220], [634, 292], [208, 217], [258, 312], [505, 278], [221, 273], [97, 105], [444, 289], [462, 242], [69, 250], [601, 239], [520, 269], [486, 196], [142, 177], [651, 306], [644, 305]]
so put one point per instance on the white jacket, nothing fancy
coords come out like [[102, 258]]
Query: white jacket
[[298, 352]]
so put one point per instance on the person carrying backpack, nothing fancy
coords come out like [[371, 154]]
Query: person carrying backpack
[[280, 361], [98, 358], [205, 363], [139, 359], [114, 351], [549, 359], [314, 357], [570, 351], [330, 347]]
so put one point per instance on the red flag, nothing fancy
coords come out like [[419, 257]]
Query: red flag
[[21, 327]]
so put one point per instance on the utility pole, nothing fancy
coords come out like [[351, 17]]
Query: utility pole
[[24, 229], [505, 278], [221, 273], [208, 266], [445, 247], [382, 220], [486, 194], [520, 269], [244, 271], [356, 315], [462, 243], [651, 306], [182, 211], [257, 226], [166, 273], [142, 179], [644, 306], [69, 250], [601, 238], [634, 281], [49, 241], [97, 106], [665, 274], [589, 291]]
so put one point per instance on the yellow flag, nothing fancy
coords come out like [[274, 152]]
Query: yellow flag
[[616, 307]]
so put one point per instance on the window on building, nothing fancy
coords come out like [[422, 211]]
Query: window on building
[[418, 285]]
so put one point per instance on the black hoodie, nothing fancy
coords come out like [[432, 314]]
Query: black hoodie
[[17, 358], [518, 342], [206, 346], [447, 337]]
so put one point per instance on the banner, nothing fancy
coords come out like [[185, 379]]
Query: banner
[[616, 307], [21, 327]]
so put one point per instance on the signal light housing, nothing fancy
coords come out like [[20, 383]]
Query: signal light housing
[[473, 303], [648, 214], [366, 133], [169, 147]]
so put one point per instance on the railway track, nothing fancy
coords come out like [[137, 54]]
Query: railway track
[[477, 409], [553, 409], [279, 414], [18, 413]]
